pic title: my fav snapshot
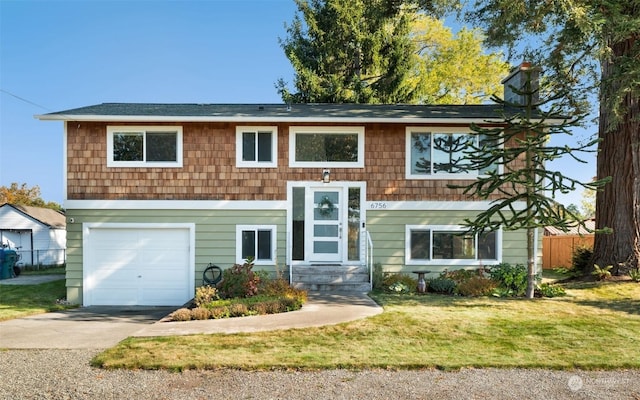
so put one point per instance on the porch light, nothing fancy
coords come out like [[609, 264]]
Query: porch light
[[326, 176]]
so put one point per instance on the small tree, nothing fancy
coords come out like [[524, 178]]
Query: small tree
[[25, 196], [524, 187]]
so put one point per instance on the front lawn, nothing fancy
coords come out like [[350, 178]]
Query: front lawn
[[18, 301], [594, 327]]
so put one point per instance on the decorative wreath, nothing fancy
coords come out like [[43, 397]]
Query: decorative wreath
[[325, 206]]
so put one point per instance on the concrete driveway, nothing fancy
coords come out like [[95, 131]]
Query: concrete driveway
[[97, 327]]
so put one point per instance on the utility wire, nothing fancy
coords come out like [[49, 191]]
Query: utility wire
[[25, 100]]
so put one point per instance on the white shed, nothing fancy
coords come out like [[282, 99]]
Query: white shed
[[39, 235]]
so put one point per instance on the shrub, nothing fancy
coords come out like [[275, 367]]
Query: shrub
[[581, 259], [511, 279], [291, 304], [441, 285], [602, 274], [280, 287], [460, 275], [378, 277], [200, 313], [547, 290], [476, 286], [219, 312], [400, 282], [239, 281], [259, 308], [634, 273], [274, 307], [205, 294], [399, 287], [181, 314], [238, 310]]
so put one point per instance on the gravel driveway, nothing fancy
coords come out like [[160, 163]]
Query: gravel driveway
[[66, 374]]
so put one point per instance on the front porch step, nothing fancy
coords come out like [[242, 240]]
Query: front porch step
[[331, 278]]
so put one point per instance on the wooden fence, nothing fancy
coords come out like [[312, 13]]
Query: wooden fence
[[558, 250]]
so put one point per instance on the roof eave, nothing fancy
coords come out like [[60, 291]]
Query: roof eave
[[272, 119]]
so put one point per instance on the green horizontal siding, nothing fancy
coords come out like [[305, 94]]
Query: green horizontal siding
[[215, 240], [388, 230]]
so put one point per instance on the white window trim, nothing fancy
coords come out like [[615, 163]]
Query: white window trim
[[293, 130], [144, 129], [274, 147], [433, 131], [272, 228], [448, 262]]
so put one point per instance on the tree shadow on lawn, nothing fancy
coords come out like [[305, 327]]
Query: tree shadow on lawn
[[627, 306]]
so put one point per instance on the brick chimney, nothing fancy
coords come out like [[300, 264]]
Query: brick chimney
[[516, 81]]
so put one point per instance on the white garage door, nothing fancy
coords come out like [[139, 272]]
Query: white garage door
[[137, 266]]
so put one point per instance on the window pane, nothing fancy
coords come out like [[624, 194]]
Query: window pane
[[297, 251], [354, 224], [248, 244], [326, 206], [487, 246], [264, 146], [264, 245], [421, 153], [420, 245], [248, 146], [162, 146], [327, 147], [489, 143], [453, 246], [325, 230], [448, 152], [127, 146], [325, 247]]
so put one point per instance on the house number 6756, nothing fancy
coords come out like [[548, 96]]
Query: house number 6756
[[378, 205]]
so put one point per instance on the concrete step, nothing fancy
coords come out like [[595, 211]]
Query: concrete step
[[342, 287], [330, 269], [331, 278]]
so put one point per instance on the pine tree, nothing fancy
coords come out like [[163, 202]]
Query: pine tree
[[379, 51], [512, 159], [588, 48]]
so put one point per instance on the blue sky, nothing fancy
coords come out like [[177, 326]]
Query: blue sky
[[57, 55]]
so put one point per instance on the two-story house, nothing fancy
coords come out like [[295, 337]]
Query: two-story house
[[156, 192]]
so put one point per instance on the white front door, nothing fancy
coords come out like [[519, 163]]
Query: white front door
[[325, 210]]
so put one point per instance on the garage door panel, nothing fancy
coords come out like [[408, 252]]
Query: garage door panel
[[115, 296], [113, 278], [160, 297], [139, 266]]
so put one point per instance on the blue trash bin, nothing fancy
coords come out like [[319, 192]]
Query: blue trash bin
[[8, 259]]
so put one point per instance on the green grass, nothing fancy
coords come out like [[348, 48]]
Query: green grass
[[594, 327], [30, 270], [18, 301]]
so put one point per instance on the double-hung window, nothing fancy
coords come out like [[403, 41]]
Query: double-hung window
[[256, 146], [144, 146], [257, 242], [318, 146], [450, 245], [436, 153]]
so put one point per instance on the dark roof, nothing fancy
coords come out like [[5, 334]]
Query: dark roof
[[574, 230], [46, 216], [277, 112]]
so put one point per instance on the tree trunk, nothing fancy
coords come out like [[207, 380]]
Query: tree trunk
[[618, 205], [531, 263]]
